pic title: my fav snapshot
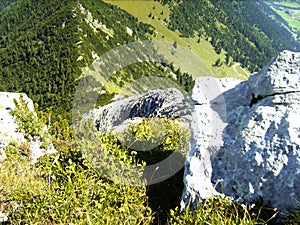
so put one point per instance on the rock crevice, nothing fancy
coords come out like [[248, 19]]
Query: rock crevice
[[259, 98]]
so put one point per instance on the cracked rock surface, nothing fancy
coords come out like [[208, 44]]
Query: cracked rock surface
[[254, 150]]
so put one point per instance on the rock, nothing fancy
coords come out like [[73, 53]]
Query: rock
[[3, 217], [7, 100], [129, 31], [281, 75], [208, 122], [255, 152], [260, 157], [168, 103], [9, 128]]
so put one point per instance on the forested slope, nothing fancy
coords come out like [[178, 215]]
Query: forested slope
[[239, 27], [45, 44]]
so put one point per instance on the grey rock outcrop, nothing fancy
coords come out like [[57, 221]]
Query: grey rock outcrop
[[280, 76], [169, 103], [9, 127], [206, 138], [258, 154]]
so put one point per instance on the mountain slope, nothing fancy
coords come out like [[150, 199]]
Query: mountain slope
[[46, 47], [158, 16], [43, 54], [224, 34], [239, 27]]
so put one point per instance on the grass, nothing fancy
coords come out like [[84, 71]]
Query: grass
[[65, 187], [216, 211], [292, 7], [291, 4], [195, 58], [19, 177], [292, 22]]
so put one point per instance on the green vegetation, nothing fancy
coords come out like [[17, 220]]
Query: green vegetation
[[290, 4], [238, 27], [216, 211], [68, 188], [5, 3], [285, 14], [48, 47], [292, 22], [158, 16], [47, 53], [44, 54], [63, 188], [289, 12]]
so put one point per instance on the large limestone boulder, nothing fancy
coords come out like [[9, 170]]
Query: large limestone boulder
[[261, 155], [255, 153], [207, 125]]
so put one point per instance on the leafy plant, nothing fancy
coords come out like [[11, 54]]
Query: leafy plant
[[28, 122]]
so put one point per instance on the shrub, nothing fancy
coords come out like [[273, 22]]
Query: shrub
[[63, 188]]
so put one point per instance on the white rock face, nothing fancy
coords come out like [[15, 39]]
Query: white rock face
[[8, 127], [7, 100], [207, 125], [129, 31], [258, 154]]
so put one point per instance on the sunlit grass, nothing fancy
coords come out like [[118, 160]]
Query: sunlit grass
[[150, 12]]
